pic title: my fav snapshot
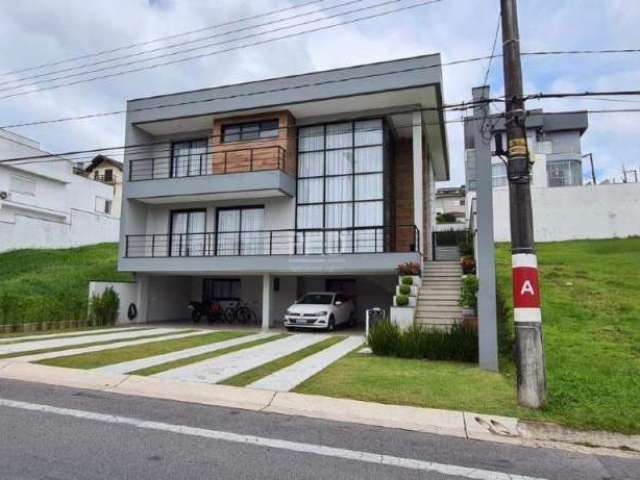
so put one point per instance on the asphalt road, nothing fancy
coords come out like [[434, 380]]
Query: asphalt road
[[61, 433]]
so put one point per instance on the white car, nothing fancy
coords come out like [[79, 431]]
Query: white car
[[324, 310]]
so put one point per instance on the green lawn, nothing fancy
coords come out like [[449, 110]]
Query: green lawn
[[257, 373], [52, 285], [134, 352], [591, 321]]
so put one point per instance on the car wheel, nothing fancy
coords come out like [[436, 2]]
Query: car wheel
[[332, 323], [289, 329]]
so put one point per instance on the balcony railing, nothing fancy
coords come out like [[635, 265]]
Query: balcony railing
[[337, 241], [208, 162]]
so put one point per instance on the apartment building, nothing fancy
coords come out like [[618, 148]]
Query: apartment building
[[262, 191]]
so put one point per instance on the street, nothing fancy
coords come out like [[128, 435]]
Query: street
[[64, 433]]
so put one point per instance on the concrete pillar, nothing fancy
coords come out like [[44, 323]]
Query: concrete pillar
[[418, 190], [485, 249], [267, 300], [142, 298]]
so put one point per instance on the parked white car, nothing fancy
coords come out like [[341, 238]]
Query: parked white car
[[320, 310]]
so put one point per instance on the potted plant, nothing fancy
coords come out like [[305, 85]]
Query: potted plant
[[469, 301], [468, 265]]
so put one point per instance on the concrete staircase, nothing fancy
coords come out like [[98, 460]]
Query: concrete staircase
[[438, 297]]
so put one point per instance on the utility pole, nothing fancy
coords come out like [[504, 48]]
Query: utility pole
[[593, 171], [532, 384]]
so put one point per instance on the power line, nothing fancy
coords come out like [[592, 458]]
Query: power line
[[582, 52], [542, 95], [159, 39], [451, 107], [261, 42], [166, 47], [249, 94]]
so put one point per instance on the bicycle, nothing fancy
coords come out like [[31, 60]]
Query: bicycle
[[240, 312]]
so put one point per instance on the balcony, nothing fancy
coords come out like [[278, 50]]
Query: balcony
[[219, 174], [357, 250]]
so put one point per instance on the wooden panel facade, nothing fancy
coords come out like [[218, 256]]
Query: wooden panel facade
[[278, 152]]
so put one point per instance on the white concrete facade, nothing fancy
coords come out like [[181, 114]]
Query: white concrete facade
[[45, 204]]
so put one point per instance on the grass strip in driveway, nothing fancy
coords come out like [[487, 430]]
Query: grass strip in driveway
[[84, 345], [134, 352], [71, 334], [204, 356], [250, 376]]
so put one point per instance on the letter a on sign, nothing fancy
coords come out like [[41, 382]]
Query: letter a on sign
[[527, 288]]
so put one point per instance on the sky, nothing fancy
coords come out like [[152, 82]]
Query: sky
[[43, 31]]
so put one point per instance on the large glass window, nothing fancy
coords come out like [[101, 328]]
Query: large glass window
[[564, 173], [340, 187], [187, 233], [189, 158], [250, 131], [240, 231]]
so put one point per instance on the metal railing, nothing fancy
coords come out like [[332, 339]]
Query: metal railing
[[337, 241], [208, 162]]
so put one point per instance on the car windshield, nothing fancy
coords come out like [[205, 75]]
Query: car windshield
[[317, 299]]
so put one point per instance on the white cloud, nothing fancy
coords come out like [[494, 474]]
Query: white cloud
[[41, 31]]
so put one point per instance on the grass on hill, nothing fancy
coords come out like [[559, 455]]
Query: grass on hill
[[591, 318], [52, 285]]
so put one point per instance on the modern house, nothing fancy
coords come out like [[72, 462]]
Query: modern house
[[560, 197], [107, 170], [44, 204], [263, 191], [451, 202]]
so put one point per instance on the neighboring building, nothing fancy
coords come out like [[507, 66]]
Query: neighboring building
[[452, 201], [264, 190], [109, 171], [43, 204], [563, 208]]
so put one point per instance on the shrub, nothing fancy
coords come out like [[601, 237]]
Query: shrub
[[443, 218], [465, 244], [468, 265], [457, 343], [469, 292], [383, 338], [409, 268], [402, 300], [407, 281], [404, 290], [104, 307]]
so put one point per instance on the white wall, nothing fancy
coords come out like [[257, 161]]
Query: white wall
[[127, 293], [572, 213]]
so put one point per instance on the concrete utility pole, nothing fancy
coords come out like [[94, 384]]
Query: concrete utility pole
[[532, 384], [593, 171]]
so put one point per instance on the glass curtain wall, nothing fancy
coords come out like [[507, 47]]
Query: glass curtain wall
[[340, 199]]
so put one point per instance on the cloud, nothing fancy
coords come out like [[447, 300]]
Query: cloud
[[40, 31]]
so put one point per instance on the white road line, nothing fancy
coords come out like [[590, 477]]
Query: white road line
[[226, 366], [288, 378], [139, 364], [306, 448], [72, 333], [99, 348], [67, 342]]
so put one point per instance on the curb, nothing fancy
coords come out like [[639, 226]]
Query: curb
[[467, 425]]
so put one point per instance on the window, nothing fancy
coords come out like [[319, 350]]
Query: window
[[564, 173], [23, 185], [102, 205], [108, 175], [499, 175], [189, 158], [221, 289], [250, 131], [187, 233], [107, 206], [340, 186], [240, 231]]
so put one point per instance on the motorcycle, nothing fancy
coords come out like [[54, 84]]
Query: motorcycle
[[211, 311]]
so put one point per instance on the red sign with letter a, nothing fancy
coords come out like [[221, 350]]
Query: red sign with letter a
[[526, 293]]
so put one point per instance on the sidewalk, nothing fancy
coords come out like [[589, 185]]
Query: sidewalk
[[443, 422]]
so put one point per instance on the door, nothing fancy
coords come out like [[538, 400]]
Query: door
[[187, 233], [240, 231], [189, 159]]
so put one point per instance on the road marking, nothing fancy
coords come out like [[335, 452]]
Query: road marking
[[307, 448]]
